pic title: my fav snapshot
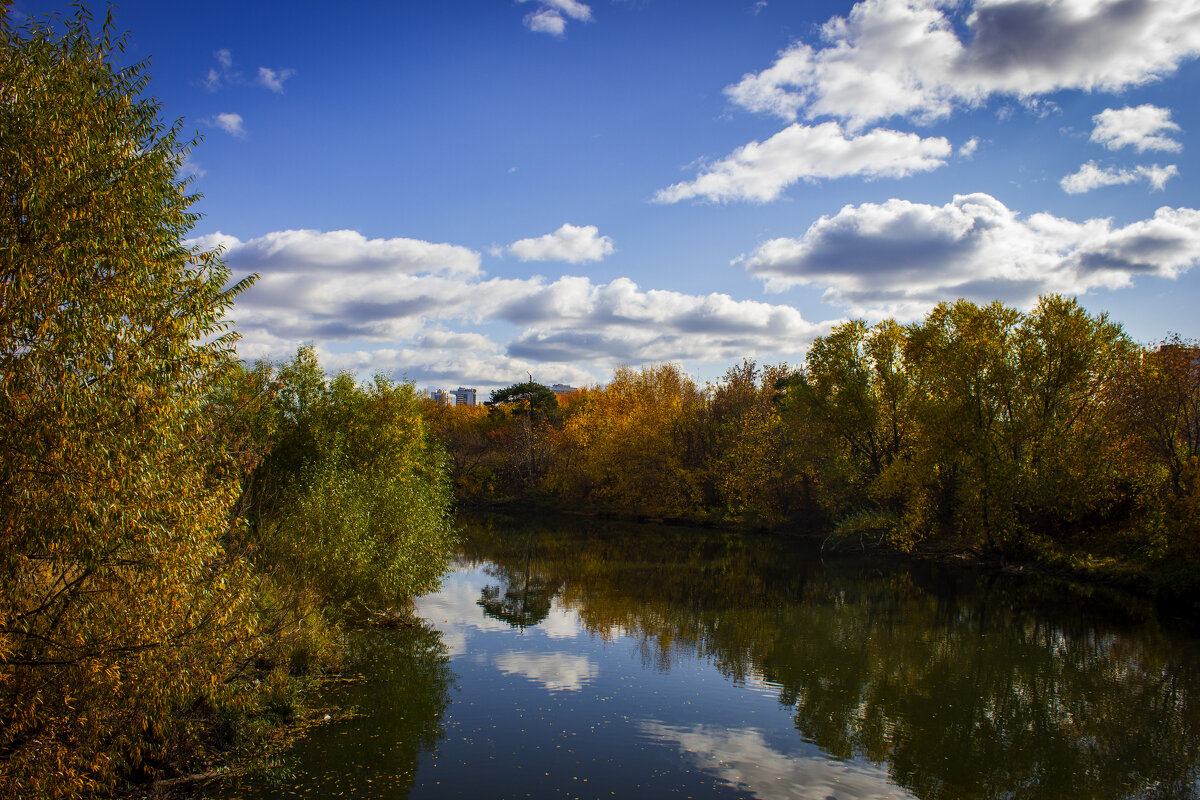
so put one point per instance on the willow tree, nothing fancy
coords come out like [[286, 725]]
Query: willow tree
[[116, 599]]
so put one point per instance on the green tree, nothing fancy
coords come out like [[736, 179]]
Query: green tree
[[117, 599], [352, 499]]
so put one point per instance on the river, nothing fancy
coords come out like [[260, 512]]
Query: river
[[576, 658]]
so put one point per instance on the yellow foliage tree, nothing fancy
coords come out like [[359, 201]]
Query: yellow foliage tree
[[117, 600], [634, 443]]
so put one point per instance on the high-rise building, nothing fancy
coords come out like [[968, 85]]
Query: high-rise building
[[464, 397]]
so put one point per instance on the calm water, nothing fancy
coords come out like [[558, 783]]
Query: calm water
[[569, 658]]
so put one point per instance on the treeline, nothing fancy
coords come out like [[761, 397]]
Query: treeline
[[183, 538], [1045, 434]]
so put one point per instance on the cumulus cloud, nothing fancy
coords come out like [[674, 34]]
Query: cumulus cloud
[[967, 149], [313, 253], [551, 15], [191, 169], [273, 79], [229, 122], [572, 320], [1143, 127], [760, 171], [1091, 176], [546, 20], [414, 308], [921, 58], [898, 258], [570, 243]]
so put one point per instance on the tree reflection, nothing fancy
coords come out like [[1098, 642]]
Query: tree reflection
[[375, 754], [961, 685], [522, 599]]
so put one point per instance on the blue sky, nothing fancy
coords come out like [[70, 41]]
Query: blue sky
[[464, 191]]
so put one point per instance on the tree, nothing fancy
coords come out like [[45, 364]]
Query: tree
[[116, 594], [746, 462], [634, 444], [522, 413], [353, 498]]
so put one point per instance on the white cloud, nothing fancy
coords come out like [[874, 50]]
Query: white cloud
[[273, 79], [968, 148], [572, 8], [413, 307], [223, 74], [557, 672], [1090, 176], [191, 168], [898, 258], [452, 609], [761, 171], [229, 122], [546, 20], [561, 622], [906, 57], [570, 243], [551, 15], [745, 760], [1158, 176], [1142, 127]]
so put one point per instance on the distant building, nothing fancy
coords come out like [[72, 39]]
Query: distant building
[[562, 388], [440, 396], [464, 397]]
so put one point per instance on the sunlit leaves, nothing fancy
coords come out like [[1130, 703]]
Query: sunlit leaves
[[351, 497], [113, 499]]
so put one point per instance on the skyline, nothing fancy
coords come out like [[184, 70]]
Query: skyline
[[464, 193]]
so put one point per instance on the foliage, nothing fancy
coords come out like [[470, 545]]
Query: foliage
[[746, 452], [352, 496], [118, 599], [521, 416], [175, 525], [635, 444], [1030, 434]]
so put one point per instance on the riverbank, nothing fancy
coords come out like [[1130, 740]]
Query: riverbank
[[1174, 587]]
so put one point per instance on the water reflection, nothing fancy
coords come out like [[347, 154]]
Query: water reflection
[[596, 660], [746, 760], [556, 671], [958, 685], [400, 706]]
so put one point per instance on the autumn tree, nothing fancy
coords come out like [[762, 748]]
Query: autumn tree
[[521, 415], [747, 460], [851, 430], [635, 444], [1012, 417], [1157, 397], [464, 433], [117, 598]]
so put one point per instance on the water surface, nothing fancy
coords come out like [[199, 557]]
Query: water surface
[[576, 658]]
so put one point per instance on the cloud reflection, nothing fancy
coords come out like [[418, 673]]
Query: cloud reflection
[[454, 610], [743, 759], [556, 671]]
